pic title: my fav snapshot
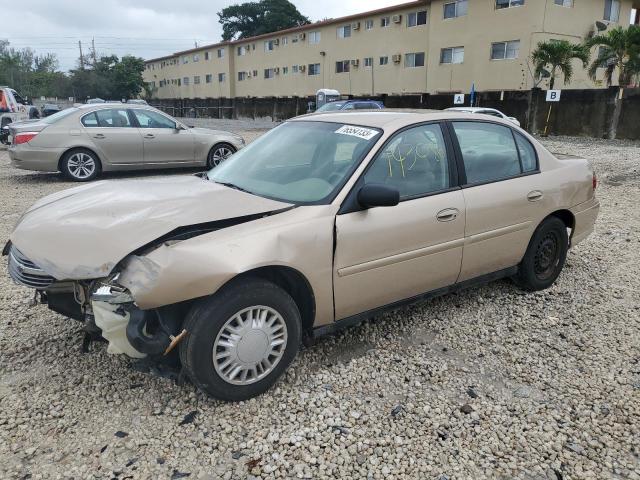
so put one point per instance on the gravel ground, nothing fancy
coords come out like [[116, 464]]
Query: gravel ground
[[488, 383]]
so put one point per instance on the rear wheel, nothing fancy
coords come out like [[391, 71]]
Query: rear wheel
[[240, 340], [80, 165], [545, 256], [219, 153]]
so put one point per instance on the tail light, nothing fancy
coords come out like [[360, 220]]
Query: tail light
[[595, 182], [24, 137]]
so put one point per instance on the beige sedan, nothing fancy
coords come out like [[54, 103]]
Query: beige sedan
[[322, 222], [81, 142]]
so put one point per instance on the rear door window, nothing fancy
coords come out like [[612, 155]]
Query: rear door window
[[489, 151], [109, 118]]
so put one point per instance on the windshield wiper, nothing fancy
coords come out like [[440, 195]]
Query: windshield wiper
[[236, 187]]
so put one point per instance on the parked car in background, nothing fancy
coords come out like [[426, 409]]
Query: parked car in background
[[350, 105], [137, 101], [14, 108], [91, 101], [485, 111], [49, 109], [322, 222], [81, 142]]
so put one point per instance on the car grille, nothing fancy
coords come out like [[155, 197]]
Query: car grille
[[25, 272]]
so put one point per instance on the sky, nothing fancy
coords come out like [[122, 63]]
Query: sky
[[145, 28]]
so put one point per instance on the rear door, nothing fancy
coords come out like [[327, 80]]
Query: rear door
[[164, 142], [117, 141], [387, 254], [504, 195]]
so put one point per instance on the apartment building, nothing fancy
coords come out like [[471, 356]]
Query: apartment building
[[426, 46]]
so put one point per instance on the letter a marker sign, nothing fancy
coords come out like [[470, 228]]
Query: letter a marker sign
[[458, 99]]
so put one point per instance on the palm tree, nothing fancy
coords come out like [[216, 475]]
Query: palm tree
[[619, 50], [558, 55]]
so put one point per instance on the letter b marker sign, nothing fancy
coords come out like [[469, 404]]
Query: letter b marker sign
[[553, 95]]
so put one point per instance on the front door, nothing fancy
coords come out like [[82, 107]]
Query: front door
[[504, 195], [116, 140], [387, 254], [164, 142]]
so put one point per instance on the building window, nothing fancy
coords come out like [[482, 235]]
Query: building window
[[185, 81], [417, 18], [385, 22], [242, 51], [368, 62], [196, 57], [221, 53], [185, 60], [611, 10], [564, 3], [294, 69], [368, 25], [314, 38], [206, 55], [384, 60], [269, 73], [452, 55], [196, 80], [342, 66], [500, 4], [268, 46], [414, 60], [242, 76], [285, 70], [208, 78], [294, 39], [222, 77], [314, 69], [344, 31], [285, 40], [455, 9], [505, 50]]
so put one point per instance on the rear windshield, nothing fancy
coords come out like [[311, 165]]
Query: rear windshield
[[59, 116], [329, 107]]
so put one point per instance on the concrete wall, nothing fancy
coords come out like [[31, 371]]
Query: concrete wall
[[580, 112]]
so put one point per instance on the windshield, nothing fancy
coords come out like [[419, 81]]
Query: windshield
[[330, 107], [298, 162], [59, 115]]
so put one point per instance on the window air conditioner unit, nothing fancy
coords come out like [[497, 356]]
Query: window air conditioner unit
[[355, 62], [396, 58], [302, 68], [248, 74], [355, 26], [276, 70], [276, 41], [302, 36], [396, 18]]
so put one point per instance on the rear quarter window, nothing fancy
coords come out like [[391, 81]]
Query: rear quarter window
[[527, 153]]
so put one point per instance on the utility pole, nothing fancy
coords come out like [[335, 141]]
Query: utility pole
[[93, 52], [81, 57]]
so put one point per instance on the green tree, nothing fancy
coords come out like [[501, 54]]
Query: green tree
[[619, 51], [256, 18], [110, 78], [558, 55]]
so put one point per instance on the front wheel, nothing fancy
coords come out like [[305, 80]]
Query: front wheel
[[240, 340], [219, 153], [80, 165], [545, 256]]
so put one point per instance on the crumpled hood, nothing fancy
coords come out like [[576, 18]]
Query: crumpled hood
[[83, 232]]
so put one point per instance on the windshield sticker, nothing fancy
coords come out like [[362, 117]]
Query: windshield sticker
[[360, 132]]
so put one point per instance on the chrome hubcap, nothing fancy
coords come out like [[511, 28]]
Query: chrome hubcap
[[219, 155], [81, 165], [249, 345]]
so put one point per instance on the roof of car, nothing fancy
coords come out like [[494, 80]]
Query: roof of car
[[392, 119], [469, 109]]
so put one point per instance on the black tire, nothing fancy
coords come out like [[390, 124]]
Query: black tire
[[545, 256], [214, 160], [69, 168], [4, 135], [34, 113], [208, 317]]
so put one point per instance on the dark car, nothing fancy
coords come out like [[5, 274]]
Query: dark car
[[351, 105], [50, 109]]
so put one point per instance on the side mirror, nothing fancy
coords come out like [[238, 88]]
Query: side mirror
[[378, 195]]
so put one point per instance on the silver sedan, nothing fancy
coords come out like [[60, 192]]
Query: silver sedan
[[81, 142]]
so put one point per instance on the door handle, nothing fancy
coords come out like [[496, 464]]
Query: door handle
[[534, 196], [149, 135], [447, 215], [98, 135]]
